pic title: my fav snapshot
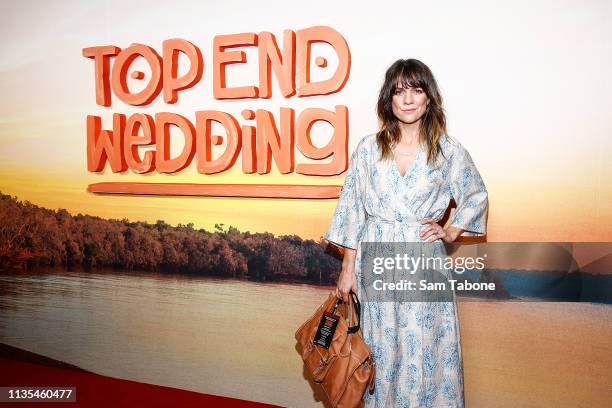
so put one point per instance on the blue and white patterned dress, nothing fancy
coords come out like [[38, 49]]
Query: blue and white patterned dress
[[416, 345]]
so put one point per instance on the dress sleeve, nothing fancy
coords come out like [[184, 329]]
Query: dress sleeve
[[470, 194], [349, 217]]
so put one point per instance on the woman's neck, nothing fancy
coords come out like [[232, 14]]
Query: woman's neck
[[410, 134]]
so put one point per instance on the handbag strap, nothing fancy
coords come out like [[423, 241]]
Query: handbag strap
[[355, 329], [353, 306]]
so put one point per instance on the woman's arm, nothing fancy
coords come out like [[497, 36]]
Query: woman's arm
[[435, 231], [452, 233], [347, 280], [470, 195]]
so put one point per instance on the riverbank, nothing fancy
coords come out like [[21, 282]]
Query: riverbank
[[23, 368]]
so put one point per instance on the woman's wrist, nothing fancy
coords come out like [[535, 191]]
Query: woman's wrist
[[348, 261], [452, 233]]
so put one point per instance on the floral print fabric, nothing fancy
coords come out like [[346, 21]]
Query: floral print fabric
[[416, 345]]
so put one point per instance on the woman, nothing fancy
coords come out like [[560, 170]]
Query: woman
[[398, 186]]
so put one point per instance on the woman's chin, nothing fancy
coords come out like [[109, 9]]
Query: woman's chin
[[408, 119]]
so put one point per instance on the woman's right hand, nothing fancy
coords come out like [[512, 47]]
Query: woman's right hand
[[347, 280]]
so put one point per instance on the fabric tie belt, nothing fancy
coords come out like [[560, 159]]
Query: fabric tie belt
[[397, 222]]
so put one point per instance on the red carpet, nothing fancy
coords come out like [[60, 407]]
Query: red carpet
[[22, 368]]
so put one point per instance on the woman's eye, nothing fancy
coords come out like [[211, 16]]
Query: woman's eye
[[419, 91]]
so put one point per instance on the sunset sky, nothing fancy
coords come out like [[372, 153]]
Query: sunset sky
[[534, 120]]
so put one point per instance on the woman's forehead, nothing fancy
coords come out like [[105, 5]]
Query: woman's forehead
[[400, 85], [403, 82]]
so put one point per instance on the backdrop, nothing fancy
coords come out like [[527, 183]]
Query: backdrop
[[527, 91]]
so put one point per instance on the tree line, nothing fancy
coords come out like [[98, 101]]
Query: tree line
[[32, 236]]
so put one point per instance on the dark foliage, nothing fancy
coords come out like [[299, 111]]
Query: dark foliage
[[33, 236]]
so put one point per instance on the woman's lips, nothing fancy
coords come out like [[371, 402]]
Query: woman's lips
[[408, 110]]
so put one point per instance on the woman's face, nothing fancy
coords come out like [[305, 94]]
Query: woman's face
[[409, 104]]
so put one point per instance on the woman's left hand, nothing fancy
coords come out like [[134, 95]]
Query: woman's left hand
[[434, 231]]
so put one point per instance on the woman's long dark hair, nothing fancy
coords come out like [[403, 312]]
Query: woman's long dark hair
[[410, 72]]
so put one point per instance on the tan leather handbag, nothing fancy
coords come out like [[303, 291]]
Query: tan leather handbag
[[344, 369]]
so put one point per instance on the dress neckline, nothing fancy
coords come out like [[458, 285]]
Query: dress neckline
[[410, 168]]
